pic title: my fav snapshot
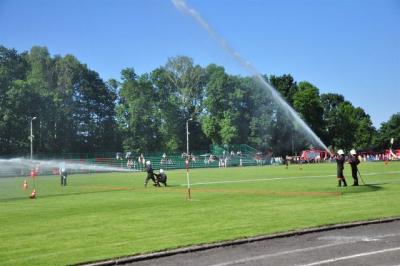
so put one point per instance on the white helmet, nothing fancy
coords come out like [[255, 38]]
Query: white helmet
[[161, 171], [353, 152], [148, 163], [340, 152]]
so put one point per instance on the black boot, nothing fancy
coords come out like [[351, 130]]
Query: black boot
[[339, 183], [344, 182], [355, 182]]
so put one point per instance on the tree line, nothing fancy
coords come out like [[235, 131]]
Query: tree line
[[78, 112]]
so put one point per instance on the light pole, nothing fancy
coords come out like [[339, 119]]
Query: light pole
[[31, 136], [188, 157]]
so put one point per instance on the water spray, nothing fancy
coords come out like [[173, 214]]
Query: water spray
[[15, 165], [183, 7]]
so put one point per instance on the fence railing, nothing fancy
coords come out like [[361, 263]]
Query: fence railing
[[50, 166]]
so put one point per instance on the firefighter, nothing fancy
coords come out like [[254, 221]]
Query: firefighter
[[354, 161], [162, 177], [63, 175], [150, 174], [340, 160]]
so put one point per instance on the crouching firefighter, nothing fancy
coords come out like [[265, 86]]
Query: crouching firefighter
[[340, 160], [162, 177], [354, 161]]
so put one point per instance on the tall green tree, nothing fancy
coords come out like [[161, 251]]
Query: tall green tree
[[216, 102], [263, 118], [31, 98], [346, 127], [226, 117], [330, 103], [188, 80], [95, 105], [169, 112], [136, 113], [13, 71], [307, 102], [76, 110], [284, 139], [285, 85], [365, 134], [387, 131]]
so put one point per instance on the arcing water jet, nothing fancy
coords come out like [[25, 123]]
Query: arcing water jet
[[295, 118]]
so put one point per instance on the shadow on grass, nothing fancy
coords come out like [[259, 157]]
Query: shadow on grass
[[173, 185], [361, 188]]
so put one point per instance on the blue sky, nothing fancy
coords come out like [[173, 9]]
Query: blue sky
[[351, 47]]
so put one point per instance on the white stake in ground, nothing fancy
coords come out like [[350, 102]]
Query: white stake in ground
[[188, 158]]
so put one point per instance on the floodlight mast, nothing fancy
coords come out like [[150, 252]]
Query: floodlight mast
[[31, 136], [188, 158]]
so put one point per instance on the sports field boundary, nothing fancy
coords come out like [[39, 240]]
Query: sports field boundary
[[195, 248], [278, 179]]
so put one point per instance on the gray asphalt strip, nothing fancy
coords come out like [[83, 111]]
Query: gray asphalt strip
[[368, 244], [351, 256], [338, 241]]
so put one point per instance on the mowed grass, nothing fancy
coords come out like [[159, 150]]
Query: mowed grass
[[109, 215]]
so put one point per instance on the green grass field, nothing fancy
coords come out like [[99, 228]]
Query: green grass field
[[108, 215]]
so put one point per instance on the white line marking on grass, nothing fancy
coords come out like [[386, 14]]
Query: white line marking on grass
[[279, 178], [254, 180], [352, 256]]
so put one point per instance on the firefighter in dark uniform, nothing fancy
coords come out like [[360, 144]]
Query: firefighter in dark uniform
[[354, 161], [340, 160], [150, 174], [162, 177], [63, 175]]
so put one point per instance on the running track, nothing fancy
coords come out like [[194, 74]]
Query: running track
[[373, 244]]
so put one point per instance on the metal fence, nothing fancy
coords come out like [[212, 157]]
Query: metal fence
[[78, 163]]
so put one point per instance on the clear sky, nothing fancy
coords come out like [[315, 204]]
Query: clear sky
[[351, 47]]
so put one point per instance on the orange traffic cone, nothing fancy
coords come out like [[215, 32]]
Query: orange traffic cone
[[25, 185], [33, 194]]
